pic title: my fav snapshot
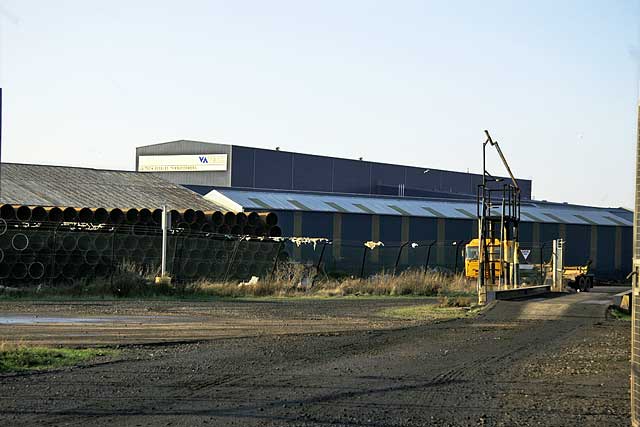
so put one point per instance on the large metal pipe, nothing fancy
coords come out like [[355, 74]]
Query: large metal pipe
[[61, 257], [189, 216], [5, 241], [19, 242], [116, 216], [23, 213], [55, 214], [223, 229], [248, 230], [101, 243], [86, 270], [38, 241], [138, 255], [253, 219], [241, 218], [275, 231], [230, 219], [39, 214], [145, 216], [7, 212], [27, 256], [70, 270], [189, 269], [132, 216], [85, 241], [102, 270], [130, 243], [76, 257], [176, 217], [206, 228], [5, 270], [199, 217], [55, 271], [85, 215], [91, 257], [217, 218], [36, 270], [156, 216], [100, 216], [236, 229], [69, 242], [143, 243], [269, 218], [70, 214], [19, 271]]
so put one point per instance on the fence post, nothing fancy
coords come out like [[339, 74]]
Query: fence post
[[53, 255], [232, 259], [113, 255], [364, 258], [166, 221], [426, 263], [324, 245], [275, 261], [395, 266], [542, 271], [457, 244]]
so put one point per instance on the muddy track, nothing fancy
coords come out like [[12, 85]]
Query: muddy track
[[505, 368]]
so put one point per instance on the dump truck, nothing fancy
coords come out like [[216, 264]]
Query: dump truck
[[578, 278], [492, 267]]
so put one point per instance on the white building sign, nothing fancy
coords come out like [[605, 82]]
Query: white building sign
[[183, 163]]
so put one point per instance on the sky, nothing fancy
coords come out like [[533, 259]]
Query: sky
[[406, 82]]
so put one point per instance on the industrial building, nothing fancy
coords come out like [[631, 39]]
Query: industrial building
[[43, 185], [422, 215]]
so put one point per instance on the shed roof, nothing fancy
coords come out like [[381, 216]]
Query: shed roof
[[532, 211], [27, 184]]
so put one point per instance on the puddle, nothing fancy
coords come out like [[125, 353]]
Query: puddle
[[31, 320]]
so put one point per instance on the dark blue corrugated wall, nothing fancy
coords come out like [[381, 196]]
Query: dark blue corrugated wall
[[358, 228]]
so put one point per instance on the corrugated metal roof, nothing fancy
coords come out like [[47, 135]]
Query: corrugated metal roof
[[419, 207], [25, 184]]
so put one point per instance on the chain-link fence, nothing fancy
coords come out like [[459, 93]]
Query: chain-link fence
[[352, 258], [58, 253]]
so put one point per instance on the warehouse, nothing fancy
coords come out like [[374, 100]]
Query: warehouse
[[27, 184], [422, 215], [201, 166]]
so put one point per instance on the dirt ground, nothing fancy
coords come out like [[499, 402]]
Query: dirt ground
[[124, 322], [551, 362]]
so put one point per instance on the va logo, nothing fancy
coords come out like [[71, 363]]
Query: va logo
[[203, 159]]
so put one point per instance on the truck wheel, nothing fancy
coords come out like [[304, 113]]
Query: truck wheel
[[582, 283]]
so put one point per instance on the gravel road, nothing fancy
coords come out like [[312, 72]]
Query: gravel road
[[551, 362]]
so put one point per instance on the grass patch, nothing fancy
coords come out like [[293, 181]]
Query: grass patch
[[293, 280], [618, 314], [446, 308], [290, 280], [18, 359], [429, 312]]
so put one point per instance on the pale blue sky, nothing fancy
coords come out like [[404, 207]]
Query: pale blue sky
[[408, 82]]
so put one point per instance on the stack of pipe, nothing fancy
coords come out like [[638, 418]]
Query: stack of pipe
[[228, 223], [39, 243]]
